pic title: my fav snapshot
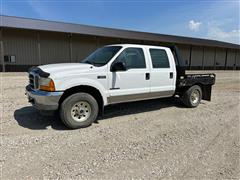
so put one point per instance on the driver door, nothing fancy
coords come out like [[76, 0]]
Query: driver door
[[133, 83]]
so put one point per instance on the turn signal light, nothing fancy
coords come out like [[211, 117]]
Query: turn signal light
[[49, 87]]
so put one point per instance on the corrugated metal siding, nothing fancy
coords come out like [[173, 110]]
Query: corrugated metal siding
[[130, 41], [0, 60], [238, 59], [82, 46], [197, 57], [64, 47], [220, 58], [22, 44], [54, 47], [1, 57], [185, 53], [208, 61], [230, 59], [107, 41]]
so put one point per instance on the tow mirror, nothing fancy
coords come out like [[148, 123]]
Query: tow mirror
[[118, 66]]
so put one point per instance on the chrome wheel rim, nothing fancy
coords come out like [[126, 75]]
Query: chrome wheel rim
[[195, 96], [81, 111]]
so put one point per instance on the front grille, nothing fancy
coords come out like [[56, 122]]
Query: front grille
[[33, 81], [36, 78]]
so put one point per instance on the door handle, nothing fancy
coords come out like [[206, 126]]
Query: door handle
[[171, 75], [147, 77]]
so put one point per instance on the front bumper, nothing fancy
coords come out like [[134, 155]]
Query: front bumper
[[43, 100]]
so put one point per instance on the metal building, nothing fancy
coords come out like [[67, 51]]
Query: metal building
[[29, 42]]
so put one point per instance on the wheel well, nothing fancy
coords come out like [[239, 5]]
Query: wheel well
[[184, 89], [86, 89], [199, 84], [206, 90]]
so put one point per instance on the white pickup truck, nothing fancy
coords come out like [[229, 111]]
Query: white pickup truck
[[114, 74]]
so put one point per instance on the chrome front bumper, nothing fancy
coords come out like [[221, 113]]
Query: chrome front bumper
[[43, 100]]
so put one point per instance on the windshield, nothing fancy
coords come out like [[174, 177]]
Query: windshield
[[102, 56]]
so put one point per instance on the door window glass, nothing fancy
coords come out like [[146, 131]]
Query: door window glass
[[133, 58]]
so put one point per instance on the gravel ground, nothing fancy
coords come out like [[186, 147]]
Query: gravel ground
[[142, 140]]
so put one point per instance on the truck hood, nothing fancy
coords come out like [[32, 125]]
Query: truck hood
[[66, 68]]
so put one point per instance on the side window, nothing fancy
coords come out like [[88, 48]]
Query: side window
[[133, 58], [159, 58]]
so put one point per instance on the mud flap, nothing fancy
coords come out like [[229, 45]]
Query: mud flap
[[206, 92]]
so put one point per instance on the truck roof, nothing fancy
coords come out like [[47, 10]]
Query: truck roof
[[138, 45]]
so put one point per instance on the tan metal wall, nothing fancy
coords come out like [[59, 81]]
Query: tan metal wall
[[230, 59], [54, 47], [82, 46], [220, 58], [22, 44], [102, 41], [238, 59], [1, 55], [197, 57], [185, 53], [34, 48], [208, 60], [0, 59]]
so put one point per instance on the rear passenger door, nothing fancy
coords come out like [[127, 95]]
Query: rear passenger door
[[133, 83], [162, 72]]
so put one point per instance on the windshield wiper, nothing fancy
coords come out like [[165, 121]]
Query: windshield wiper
[[87, 62], [93, 63]]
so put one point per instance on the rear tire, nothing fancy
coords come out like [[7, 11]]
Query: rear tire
[[79, 110], [192, 97]]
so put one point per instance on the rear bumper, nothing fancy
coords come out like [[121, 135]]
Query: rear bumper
[[43, 100]]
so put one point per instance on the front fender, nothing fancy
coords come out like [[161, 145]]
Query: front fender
[[62, 85]]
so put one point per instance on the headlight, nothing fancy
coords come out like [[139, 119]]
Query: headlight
[[46, 84]]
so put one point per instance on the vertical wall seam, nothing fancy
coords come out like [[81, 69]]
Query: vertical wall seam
[[215, 54], [203, 58], [226, 56], [235, 61], [70, 47], [190, 58], [39, 47]]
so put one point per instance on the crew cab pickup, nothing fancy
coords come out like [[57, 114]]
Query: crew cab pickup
[[114, 74]]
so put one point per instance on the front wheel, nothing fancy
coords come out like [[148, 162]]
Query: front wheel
[[79, 110], [192, 97]]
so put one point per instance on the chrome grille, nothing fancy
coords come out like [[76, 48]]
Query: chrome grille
[[33, 80], [36, 79]]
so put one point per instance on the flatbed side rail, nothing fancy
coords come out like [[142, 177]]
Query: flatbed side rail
[[200, 75], [191, 79]]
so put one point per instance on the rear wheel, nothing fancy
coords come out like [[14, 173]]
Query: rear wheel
[[79, 110], [193, 96]]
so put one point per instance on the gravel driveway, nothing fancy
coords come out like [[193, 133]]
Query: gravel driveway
[[142, 140]]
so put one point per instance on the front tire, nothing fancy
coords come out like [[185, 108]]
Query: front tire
[[192, 97], [79, 110]]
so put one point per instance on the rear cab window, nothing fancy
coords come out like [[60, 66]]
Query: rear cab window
[[159, 58]]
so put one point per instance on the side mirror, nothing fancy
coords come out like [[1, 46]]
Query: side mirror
[[118, 66]]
